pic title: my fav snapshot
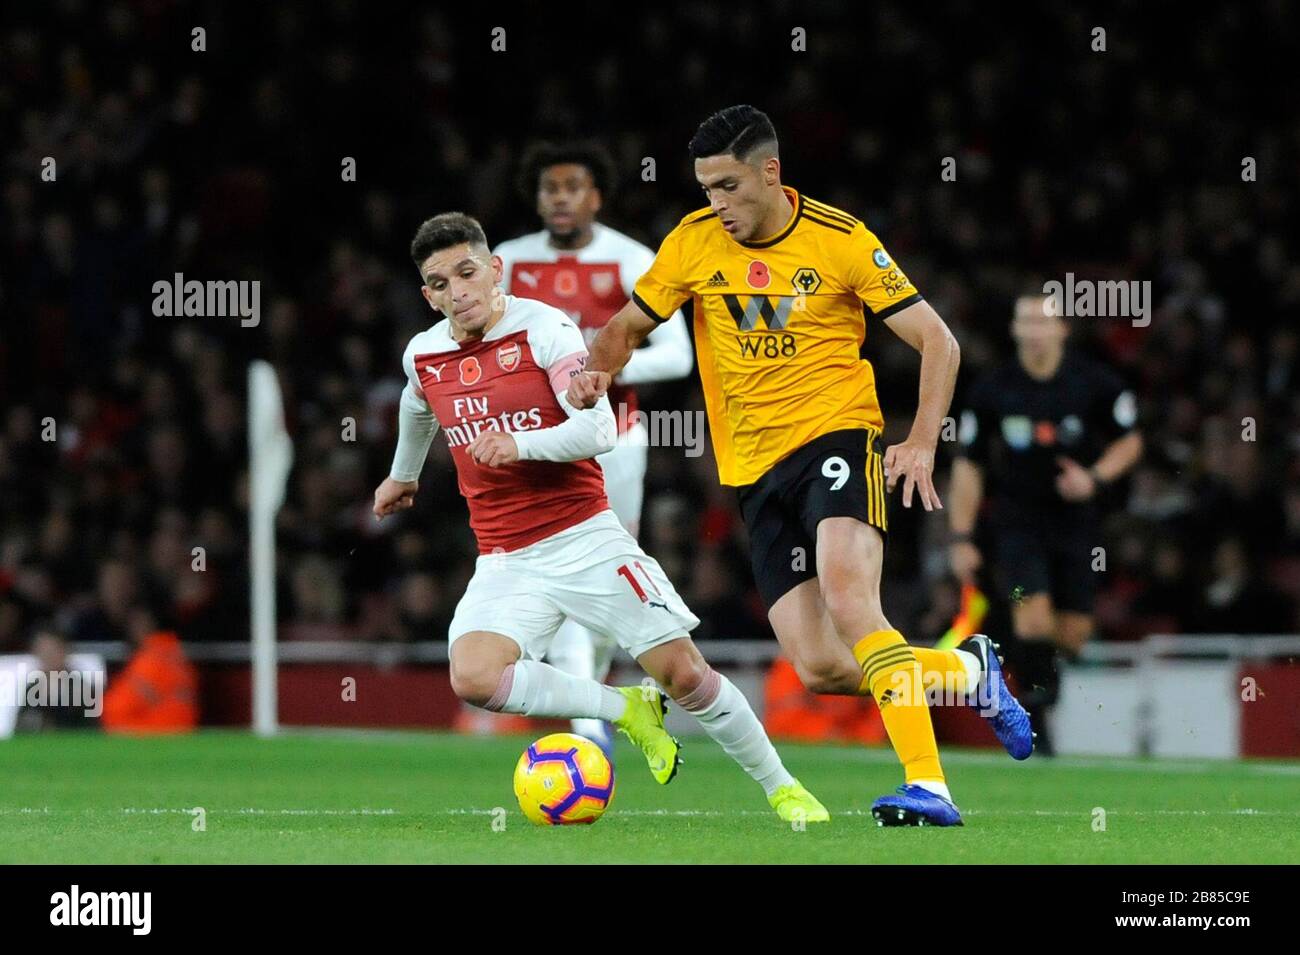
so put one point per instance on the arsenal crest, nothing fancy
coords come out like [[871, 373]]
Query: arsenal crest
[[508, 356], [470, 370], [602, 283]]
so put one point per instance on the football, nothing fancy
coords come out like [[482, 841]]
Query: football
[[564, 780]]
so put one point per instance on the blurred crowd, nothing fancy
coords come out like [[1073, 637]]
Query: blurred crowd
[[123, 440]]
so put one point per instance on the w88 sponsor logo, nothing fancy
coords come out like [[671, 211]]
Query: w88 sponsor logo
[[767, 345]]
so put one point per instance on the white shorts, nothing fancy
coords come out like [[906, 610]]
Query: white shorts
[[624, 466], [594, 573]]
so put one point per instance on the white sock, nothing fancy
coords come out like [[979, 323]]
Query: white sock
[[973, 672], [538, 689], [573, 651], [935, 786], [727, 717]]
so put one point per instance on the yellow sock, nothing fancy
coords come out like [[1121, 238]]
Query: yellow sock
[[892, 675], [944, 669]]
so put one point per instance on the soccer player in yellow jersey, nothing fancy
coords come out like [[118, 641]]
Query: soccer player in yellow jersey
[[779, 284]]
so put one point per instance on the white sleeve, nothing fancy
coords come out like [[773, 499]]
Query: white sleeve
[[586, 432], [416, 426]]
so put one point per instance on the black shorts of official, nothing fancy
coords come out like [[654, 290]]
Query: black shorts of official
[[840, 474], [1052, 555]]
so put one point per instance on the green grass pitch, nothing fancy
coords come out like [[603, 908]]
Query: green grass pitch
[[426, 797]]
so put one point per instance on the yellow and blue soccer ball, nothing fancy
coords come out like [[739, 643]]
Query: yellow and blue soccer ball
[[564, 780]]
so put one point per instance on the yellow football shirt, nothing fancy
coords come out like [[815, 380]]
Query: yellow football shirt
[[779, 324]]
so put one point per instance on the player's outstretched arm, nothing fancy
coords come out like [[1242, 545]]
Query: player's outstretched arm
[[416, 426], [585, 433], [667, 354], [610, 351], [921, 327]]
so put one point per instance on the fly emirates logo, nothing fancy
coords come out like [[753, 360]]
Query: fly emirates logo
[[475, 417]]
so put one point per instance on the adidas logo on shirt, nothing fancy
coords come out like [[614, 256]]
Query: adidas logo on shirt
[[718, 279]]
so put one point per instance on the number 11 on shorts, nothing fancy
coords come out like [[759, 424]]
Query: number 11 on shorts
[[625, 571]]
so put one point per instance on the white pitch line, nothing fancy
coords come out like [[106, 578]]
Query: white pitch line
[[685, 813]]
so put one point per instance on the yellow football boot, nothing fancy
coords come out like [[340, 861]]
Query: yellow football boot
[[793, 803], [643, 723]]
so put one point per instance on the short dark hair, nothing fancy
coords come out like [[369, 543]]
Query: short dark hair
[[737, 130], [542, 155], [442, 232]]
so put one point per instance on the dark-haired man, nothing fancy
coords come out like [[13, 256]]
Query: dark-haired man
[[587, 270], [779, 284], [493, 375]]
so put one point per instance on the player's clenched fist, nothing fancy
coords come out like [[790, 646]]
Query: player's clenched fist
[[493, 449], [393, 496], [586, 387]]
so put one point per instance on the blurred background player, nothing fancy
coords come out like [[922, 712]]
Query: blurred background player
[[1041, 437], [588, 271]]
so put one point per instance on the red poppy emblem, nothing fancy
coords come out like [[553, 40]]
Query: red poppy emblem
[[470, 370]]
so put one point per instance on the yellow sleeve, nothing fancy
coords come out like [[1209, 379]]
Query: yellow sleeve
[[664, 288], [874, 276]]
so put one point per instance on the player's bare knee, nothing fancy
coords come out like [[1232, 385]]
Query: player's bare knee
[[682, 673], [853, 612], [839, 599], [475, 681]]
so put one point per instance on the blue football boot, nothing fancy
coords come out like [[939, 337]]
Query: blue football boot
[[994, 701], [914, 806]]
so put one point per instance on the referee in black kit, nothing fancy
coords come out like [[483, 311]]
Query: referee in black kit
[[1040, 437]]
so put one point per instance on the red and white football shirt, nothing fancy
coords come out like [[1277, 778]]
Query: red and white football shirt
[[508, 380], [589, 284]]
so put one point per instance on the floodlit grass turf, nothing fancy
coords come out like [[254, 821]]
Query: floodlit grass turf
[[423, 797]]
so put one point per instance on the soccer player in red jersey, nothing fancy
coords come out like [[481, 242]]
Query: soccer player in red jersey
[[493, 375]]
